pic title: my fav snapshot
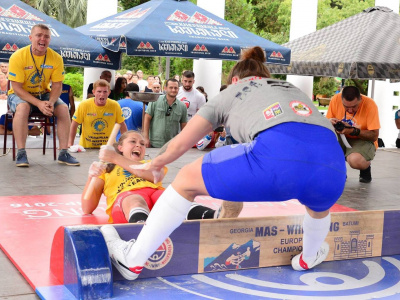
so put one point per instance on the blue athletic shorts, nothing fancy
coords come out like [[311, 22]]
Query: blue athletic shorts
[[288, 161]]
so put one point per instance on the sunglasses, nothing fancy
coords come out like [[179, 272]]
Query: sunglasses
[[168, 111]]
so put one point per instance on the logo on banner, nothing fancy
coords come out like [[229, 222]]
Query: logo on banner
[[146, 46], [275, 54], [122, 45], [300, 108], [197, 18], [161, 256], [235, 257], [173, 47], [136, 14], [17, 12], [229, 50], [10, 48], [102, 57], [201, 48]]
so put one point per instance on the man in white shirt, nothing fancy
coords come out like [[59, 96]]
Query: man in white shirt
[[189, 95], [141, 82]]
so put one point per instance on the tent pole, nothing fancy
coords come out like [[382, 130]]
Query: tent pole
[[372, 88], [167, 67]]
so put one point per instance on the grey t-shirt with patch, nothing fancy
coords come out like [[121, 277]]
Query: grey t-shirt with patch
[[255, 104]]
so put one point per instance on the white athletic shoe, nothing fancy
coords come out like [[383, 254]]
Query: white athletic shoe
[[118, 249], [299, 265]]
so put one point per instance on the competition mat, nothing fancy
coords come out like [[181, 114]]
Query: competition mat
[[29, 224]]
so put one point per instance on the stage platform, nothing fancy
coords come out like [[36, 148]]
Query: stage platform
[[47, 177]]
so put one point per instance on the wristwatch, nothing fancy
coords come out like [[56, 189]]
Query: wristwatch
[[356, 132]]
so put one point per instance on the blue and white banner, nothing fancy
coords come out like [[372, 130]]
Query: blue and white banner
[[179, 29], [16, 21]]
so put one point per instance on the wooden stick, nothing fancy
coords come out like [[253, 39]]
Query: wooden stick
[[110, 142]]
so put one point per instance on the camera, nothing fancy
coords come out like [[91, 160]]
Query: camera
[[219, 129], [339, 126]]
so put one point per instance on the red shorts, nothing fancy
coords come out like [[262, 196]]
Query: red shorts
[[149, 195]]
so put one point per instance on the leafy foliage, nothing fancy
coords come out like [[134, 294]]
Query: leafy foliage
[[75, 80], [69, 12], [325, 86]]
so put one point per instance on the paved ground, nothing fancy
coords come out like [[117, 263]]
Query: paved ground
[[45, 176]]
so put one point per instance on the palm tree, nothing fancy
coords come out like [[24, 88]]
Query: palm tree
[[69, 12]]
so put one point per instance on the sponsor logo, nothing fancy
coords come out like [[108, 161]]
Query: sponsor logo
[[46, 67], [8, 47], [108, 114], [17, 12], [275, 54], [136, 14], [75, 54], [272, 111], [300, 108], [102, 57], [91, 114], [370, 69], [99, 125], [28, 68], [146, 46], [340, 67], [173, 47], [186, 102], [235, 257], [122, 45], [196, 18], [229, 50], [199, 48], [161, 256], [126, 112]]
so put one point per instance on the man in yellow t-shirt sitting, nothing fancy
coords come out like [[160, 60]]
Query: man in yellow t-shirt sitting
[[30, 71], [356, 117], [98, 116]]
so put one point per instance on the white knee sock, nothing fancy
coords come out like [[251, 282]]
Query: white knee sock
[[315, 232], [167, 214]]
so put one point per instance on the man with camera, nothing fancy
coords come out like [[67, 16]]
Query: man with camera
[[355, 117]]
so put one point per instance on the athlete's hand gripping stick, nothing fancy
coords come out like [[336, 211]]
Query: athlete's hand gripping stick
[[111, 141]]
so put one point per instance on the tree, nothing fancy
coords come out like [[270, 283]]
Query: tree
[[69, 12], [127, 4]]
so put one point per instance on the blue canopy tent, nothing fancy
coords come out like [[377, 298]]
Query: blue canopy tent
[[16, 21], [178, 29]]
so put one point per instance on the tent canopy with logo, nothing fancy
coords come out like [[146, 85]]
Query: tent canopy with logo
[[17, 19], [174, 28], [364, 46]]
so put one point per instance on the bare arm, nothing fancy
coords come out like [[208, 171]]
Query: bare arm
[[123, 128], [183, 125], [196, 129], [365, 135], [71, 102], [146, 128], [89, 205], [72, 133], [56, 89], [113, 157], [397, 123]]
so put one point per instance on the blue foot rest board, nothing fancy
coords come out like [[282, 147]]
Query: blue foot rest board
[[87, 265]]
